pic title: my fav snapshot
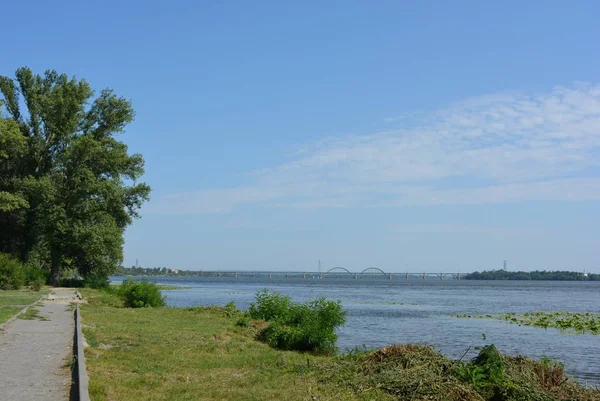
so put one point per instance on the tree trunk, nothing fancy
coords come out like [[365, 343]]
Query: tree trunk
[[55, 256]]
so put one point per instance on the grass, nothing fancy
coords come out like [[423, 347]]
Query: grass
[[200, 354], [192, 354], [32, 314], [568, 322], [13, 301], [418, 372]]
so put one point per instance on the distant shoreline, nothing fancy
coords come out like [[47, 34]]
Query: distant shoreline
[[537, 275]]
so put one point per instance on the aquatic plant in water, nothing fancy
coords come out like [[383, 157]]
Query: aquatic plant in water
[[568, 322]]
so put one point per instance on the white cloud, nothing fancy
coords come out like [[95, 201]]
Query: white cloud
[[459, 229], [501, 148]]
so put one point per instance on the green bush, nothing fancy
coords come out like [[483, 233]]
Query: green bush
[[71, 282], [12, 276], [97, 281], [140, 294], [243, 321], [35, 277], [306, 326], [37, 284]]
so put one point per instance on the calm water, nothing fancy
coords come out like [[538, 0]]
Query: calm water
[[382, 312]]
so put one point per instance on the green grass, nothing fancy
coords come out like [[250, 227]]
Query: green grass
[[193, 354], [32, 314], [200, 354], [6, 312], [13, 301]]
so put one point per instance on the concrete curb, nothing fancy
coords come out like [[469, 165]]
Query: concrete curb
[[80, 375]]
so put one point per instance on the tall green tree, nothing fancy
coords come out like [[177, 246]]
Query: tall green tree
[[12, 200], [74, 186]]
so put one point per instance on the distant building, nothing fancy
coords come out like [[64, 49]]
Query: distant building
[[174, 271]]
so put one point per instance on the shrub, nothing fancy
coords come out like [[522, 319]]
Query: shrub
[[243, 321], [12, 276], [71, 282], [140, 294], [306, 326], [37, 284], [97, 281], [270, 306], [35, 277]]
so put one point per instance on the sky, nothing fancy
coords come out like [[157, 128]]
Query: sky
[[425, 136]]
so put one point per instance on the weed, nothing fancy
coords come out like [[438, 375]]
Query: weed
[[32, 314]]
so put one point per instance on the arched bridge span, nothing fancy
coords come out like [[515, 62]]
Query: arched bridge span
[[339, 269], [372, 270]]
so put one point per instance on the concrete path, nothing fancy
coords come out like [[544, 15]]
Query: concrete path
[[35, 354]]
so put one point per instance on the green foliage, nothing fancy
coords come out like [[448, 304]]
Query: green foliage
[[35, 277], [243, 321], [71, 282], [140, 294], [534, 275], [97, 281], [68, 187], [486, 372], [568, 322], [33, 314], [417, 372], [297, 326], [37, 284], [270, 306], [12, 276]]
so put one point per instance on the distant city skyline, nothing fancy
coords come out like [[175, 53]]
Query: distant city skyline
[[408, 136]]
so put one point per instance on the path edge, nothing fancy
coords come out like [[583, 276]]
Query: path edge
[[81, 377], [16, 315]]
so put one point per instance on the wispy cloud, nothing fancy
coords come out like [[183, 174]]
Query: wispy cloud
[[499, 148], [459, 229]]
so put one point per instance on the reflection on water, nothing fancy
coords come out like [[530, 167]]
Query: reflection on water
[[382, 312]]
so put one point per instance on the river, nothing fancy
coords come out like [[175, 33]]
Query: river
[[383, 312]]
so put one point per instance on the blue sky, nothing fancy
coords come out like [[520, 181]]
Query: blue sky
[[411, 136]]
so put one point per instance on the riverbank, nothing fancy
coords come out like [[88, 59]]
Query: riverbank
[[199, 353]]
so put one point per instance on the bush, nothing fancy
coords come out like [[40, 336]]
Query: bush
[[37, 284], [243, 321], [12, 276], [306, 326], [35, 278], [71, 282], [140, 294], [97, 281]]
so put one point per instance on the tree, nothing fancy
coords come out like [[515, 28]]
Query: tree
[[74, 187], [12, 200]]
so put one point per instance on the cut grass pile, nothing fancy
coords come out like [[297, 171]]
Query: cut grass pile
[[568, 322], [13, 301], [418, 372], [200, 354], [32, 314]]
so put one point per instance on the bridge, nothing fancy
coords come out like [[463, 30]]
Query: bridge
[[336, 272]]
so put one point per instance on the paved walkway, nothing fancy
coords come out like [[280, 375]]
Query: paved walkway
[[34, 354]]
